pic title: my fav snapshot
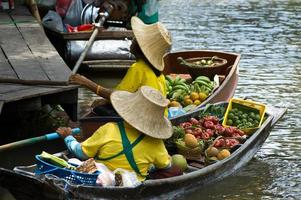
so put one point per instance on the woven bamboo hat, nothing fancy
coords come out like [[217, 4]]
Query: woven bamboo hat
[[153, 39], [144, 110]]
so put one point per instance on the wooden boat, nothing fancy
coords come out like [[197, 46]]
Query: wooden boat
[[228, 75], [22, 183], [228, 81], [60, 40]]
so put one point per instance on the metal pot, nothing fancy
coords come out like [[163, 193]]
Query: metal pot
[[89, 14]]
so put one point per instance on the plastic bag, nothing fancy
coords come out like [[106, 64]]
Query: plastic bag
[[53, 21], [47, 4], [84, 27], [128, 179], [72, 16], [106, 177], [175, 111], [62, 7]]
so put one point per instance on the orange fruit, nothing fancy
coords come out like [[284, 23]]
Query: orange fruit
[[190, 140], [188, 102], [174, 104], [223, 154], [212, 151], [202, 96], [194, 96], [197, 102], [187, 97]]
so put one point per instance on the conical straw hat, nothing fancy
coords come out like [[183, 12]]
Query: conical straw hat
[[144, 110], [153, 39]]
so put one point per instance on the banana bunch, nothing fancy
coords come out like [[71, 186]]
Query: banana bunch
[[202, 84], [176, 88]]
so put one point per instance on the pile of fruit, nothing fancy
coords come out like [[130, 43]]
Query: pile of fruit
[[183, 94], [209, 136], [243, 118], [202, 62]]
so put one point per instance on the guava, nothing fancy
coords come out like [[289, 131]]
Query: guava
[[179, 161]]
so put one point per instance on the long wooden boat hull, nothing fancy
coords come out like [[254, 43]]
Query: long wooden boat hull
[[25, 184]]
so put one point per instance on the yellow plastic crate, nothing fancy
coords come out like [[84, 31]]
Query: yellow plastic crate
[[249, 105]]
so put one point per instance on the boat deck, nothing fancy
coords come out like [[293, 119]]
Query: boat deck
[[31, 71]]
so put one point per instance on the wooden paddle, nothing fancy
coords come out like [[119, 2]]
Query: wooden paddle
[[97, 89], [29, 141]]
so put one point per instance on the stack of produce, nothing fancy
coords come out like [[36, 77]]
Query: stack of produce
[[207, 137], [183, 94], [243, 119], [244, 114]]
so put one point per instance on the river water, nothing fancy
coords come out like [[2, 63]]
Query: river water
[[268, 36]]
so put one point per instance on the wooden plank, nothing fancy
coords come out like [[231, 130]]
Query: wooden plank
[[33, 82], [32, 91], [6, 70], [52, 64], [102, 34], [18, 53], [6, 87]]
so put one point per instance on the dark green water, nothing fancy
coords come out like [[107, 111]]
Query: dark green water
[[268, 36]]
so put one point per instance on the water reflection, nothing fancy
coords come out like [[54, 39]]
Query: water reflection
[[252, 183], [267, 34]]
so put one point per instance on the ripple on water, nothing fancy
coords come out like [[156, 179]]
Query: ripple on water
[[267, 35]]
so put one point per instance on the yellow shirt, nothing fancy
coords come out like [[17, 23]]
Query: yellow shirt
[[106, 142], [140, 74]]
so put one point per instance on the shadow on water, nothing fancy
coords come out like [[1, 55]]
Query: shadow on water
[[248, 180]]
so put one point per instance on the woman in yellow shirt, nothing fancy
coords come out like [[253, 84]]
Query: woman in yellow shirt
[[135, 144], [150, 44]]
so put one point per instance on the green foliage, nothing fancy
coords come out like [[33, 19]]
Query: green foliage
[[213, 110]]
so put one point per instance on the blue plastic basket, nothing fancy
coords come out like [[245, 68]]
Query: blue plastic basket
[[69, 175]]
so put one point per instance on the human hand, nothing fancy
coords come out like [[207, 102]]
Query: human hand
[[77, 79], [72, 78], [64, 131]]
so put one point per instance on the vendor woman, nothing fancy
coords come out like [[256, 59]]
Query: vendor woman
[[149, 45], [134, 144]]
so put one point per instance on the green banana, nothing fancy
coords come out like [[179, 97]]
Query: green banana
[[169, 79], [171, 93], [197, 88], [181, 87], [167, 83], [212, 84], [203, 78], [192, 88], [182, 80], [202, 83], [177, 80], [181, 83], [177, 94], [205, 89]]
